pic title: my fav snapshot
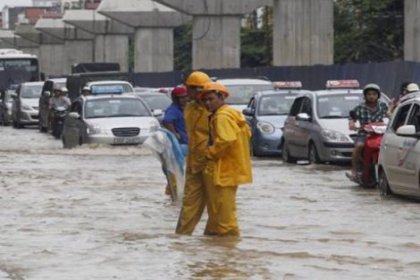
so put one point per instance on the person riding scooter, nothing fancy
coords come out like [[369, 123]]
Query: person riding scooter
[[372, 110], [59, 105]]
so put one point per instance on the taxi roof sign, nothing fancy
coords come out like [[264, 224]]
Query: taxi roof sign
[[342, 84], [287, 84]]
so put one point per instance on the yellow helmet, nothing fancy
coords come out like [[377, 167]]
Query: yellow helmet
[[197, 79], [214, 87]]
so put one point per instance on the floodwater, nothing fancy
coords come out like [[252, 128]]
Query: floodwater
[[98, 212]]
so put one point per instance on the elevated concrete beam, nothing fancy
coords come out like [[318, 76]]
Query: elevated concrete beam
[[303, 32], [7, 38], [216, 29], [57, 28], [93, 22], [29, 32], [153, 36], [141, 13], [215, 7]]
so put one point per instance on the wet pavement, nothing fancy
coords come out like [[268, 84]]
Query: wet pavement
[[98, 212]]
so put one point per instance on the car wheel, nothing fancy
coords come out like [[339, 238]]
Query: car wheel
[[16, 124], [313, 156], [383, 184], [255, 152], [285, 154]]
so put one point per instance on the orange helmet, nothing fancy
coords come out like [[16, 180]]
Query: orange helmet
[[197, 79], [214, 87]]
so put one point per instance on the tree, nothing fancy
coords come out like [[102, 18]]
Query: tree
[[368, 30]]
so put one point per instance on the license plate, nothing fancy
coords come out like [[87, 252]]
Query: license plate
[[126, 140]]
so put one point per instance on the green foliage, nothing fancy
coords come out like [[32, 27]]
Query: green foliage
[[183, 47], [368, 30]]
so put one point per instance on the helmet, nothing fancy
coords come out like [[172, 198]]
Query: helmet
[[197, 79], [86, 88], [215, 86], [64, 90], [179, 91], [374, 87], [412, 87]]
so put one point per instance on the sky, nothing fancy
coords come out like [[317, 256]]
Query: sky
[[14, 3]]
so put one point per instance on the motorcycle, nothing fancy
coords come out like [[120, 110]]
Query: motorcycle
[[366, 169], [59, 114]]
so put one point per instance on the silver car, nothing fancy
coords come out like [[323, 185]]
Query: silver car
[[317, 126], [25, 106], [399, 156], [108, 119]]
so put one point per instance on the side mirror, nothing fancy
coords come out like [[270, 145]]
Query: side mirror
[[407, 130], [74, 115], [157, 113], [46, 93], [248, 112], [303, 117]]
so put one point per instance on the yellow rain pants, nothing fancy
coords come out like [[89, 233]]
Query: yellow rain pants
[[194, 200]]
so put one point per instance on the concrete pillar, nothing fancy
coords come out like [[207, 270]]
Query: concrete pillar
[[51, 54], [111, 38], [216, 29], [77, 44], [411, 30], [303, 32], [153, 36], [112, 48]]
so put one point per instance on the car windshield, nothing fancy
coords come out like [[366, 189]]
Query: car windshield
[[275, 104], [241, 94], [337, 106], [157, 101], [114, 108], [30, 91], [111, 88]]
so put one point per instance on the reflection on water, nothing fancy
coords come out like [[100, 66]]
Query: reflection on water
[[99, 212]]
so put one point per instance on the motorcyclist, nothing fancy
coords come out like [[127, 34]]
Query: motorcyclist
[[371, 110], [60, 98]]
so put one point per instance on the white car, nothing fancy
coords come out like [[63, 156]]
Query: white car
[[242, 90], [109, 87], [108, 119], [25, 105], [399, 157]]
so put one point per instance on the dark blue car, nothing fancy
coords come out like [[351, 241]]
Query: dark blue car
[[266, 113]]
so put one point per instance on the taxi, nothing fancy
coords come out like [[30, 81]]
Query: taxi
[[266, 113], [317, 126], [399, 156]]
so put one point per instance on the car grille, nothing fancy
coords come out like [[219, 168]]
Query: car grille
[[126, 131]]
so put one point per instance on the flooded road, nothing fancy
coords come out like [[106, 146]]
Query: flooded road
[[100, 213]]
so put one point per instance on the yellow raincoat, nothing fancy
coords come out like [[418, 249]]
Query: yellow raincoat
[[194, 200], [229, 150], [229, 166]]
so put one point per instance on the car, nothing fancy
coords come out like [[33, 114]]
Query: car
[[266, 113], [44, 100], [108, 119], [399, 156], [25, 110], [157, 101], [6, 107], [241, 90], [316, 128]]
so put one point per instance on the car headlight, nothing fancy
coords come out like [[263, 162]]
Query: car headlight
[[334, 136], [26, 107], [154, 125], [265, 127], [91, 130]]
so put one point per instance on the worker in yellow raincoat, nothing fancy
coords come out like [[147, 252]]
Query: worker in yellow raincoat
[[229, 160], [197, 126]]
